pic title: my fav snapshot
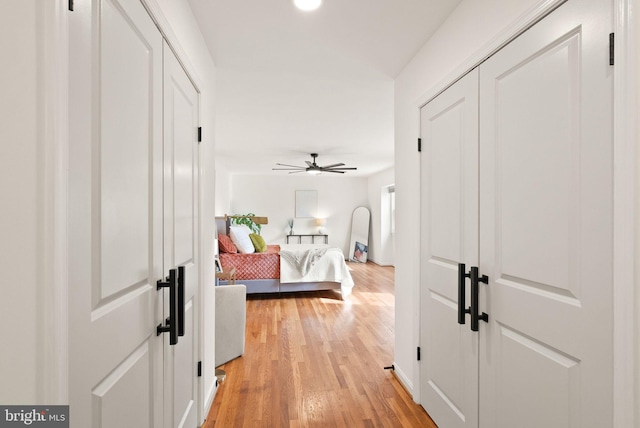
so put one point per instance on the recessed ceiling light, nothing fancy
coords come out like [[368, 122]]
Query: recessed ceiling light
[[307, 4]]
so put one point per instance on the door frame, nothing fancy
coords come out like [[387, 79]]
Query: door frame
[[52, 266], [626, 178], [626, 225]]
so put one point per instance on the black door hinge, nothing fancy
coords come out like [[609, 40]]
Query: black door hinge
[[71, 5], [418, 353], [419, 144], [199, 134], [199, 368], [611, 48]]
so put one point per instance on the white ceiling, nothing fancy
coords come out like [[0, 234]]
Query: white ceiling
[[290, 83]]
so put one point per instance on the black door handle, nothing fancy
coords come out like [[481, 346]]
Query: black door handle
[[181, 280], [462, 275], [171, 323], [476, 279]]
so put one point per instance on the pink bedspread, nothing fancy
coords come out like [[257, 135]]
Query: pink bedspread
[[254, 266]]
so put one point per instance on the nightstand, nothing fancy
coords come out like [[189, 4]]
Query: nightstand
[[228, 275]]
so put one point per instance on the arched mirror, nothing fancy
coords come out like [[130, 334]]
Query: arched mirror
[[359, 246]]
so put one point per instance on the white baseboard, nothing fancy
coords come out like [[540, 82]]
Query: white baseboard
[[404, 380], [211, 394]]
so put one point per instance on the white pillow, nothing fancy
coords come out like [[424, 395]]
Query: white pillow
[[240, 237]]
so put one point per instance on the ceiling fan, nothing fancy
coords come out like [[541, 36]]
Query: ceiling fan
[[314, 168]]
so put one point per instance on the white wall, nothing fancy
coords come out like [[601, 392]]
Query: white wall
[[20, 217], [223, 190], [253, 193], [182, 31], [274, 197], [380, 242], [473, 24]]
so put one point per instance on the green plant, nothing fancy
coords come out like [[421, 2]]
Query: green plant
[[247, 221]]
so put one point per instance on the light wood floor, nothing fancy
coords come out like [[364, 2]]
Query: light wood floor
[[313, 360]]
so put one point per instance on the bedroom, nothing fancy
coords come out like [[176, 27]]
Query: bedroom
[[35, 224]]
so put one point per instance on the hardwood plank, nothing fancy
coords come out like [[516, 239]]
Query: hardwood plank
[[314, 360]]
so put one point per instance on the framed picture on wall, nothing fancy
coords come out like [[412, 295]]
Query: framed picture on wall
[[306, 203]]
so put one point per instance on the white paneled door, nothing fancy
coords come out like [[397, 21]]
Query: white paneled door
[[134, 203], [449, 169], [115, 194], [544, 210], [546, 224], [181, 172]]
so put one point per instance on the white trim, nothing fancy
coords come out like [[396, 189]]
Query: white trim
[[520, 25], [404, 380], [625, 365], [202, 408], [53, 71], [158, 16], [209, 397]]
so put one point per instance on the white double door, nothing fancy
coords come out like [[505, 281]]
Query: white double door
[[516, 179], [133, 169]]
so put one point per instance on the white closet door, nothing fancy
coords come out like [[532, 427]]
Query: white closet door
[[115, 233], [181, 196], [546, 224], [449, 187]]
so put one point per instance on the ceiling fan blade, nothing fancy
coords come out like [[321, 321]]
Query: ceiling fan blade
[[293, 166], [312, 167], [340, 169]]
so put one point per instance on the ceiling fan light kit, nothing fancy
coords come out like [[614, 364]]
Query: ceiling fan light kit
[[313, 168]]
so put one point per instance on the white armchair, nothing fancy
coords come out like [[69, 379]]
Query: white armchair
[[231, 321]]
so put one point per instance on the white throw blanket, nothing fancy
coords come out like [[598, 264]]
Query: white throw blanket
[[303, 260], [314, 263]]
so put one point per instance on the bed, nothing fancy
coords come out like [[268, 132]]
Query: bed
[[288, 268]]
